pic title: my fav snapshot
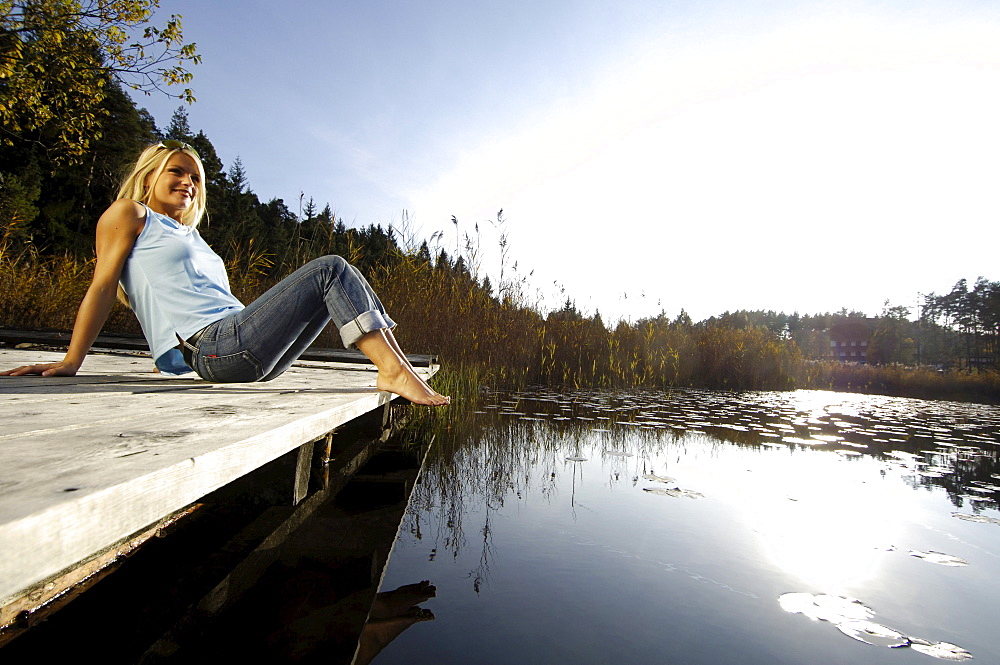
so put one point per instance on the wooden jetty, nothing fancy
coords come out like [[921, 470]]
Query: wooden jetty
[[95, 465]]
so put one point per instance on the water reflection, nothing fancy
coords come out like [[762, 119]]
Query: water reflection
[[695, 492], [391, 613], [828, 529], [950, 445]]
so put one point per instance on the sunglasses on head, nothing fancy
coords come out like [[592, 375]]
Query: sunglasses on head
[[173, 144]]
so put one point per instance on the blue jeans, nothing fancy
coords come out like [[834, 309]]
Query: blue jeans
[[264, 339]]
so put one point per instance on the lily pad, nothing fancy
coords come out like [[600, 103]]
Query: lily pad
[[675, 492], [939, 558], [942, 650], [976, 518], [798, 603], [835, 609], [873, 633]]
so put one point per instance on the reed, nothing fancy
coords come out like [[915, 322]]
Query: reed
[[45, 291]]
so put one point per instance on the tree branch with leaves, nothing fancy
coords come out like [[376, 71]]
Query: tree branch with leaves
[[57, 58]]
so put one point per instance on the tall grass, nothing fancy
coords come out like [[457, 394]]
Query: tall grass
[[512, 343], [45, 291]]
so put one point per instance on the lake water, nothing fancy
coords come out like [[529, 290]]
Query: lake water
[[703, 527]]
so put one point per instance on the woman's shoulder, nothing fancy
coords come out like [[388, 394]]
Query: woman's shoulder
[[128, 207], [124, 214]]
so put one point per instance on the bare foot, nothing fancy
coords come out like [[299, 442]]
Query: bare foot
[[379, 633], [405, 382], [395, 374], [394, 603]]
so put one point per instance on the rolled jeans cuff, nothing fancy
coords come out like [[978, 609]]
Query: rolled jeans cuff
[[365, 323]]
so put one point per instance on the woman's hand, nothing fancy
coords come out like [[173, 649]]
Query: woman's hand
[[61, 368]]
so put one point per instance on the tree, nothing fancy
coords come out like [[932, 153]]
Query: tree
[[238, 176], [486, 286], [683, 320], [309, 211], [975, 315], [69, 198], [424, 254], [58, 59], [442, 262], [210, 160], [179, 128], [892, 340], [18, 195], [568, 312]]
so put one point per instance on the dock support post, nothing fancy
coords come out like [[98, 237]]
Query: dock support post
[[322, 450], [386, 422], [303, 471]]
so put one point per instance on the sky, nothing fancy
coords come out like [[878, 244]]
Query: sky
[[648, 156]]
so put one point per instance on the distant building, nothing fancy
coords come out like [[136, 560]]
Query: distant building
[[849, 340]]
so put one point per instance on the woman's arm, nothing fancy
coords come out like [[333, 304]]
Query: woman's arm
[[117, 231]]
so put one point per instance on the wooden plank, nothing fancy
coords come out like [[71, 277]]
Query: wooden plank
[[37, 603], [91, 459], [13, 336], [58, 338]]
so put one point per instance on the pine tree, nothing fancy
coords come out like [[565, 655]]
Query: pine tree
[[179, 129]]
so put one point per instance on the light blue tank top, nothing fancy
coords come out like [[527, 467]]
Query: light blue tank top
[[176, 284]]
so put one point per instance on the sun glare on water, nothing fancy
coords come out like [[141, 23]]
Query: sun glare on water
[[822, 517]]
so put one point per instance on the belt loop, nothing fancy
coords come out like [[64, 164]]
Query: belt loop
[[189, 348]]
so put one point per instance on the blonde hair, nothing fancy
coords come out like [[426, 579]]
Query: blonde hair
[[138, 185]]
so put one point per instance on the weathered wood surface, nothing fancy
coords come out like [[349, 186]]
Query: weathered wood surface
[[12, 337], [90, 460]]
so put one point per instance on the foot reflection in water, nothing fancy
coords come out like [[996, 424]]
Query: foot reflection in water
[[391, 614]]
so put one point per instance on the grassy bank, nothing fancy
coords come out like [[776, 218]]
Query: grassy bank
[[923, 382], [484, 340]]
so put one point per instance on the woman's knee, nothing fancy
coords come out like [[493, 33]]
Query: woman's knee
[[333, 262]]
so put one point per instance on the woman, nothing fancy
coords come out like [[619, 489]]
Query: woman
[[148, 247]]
